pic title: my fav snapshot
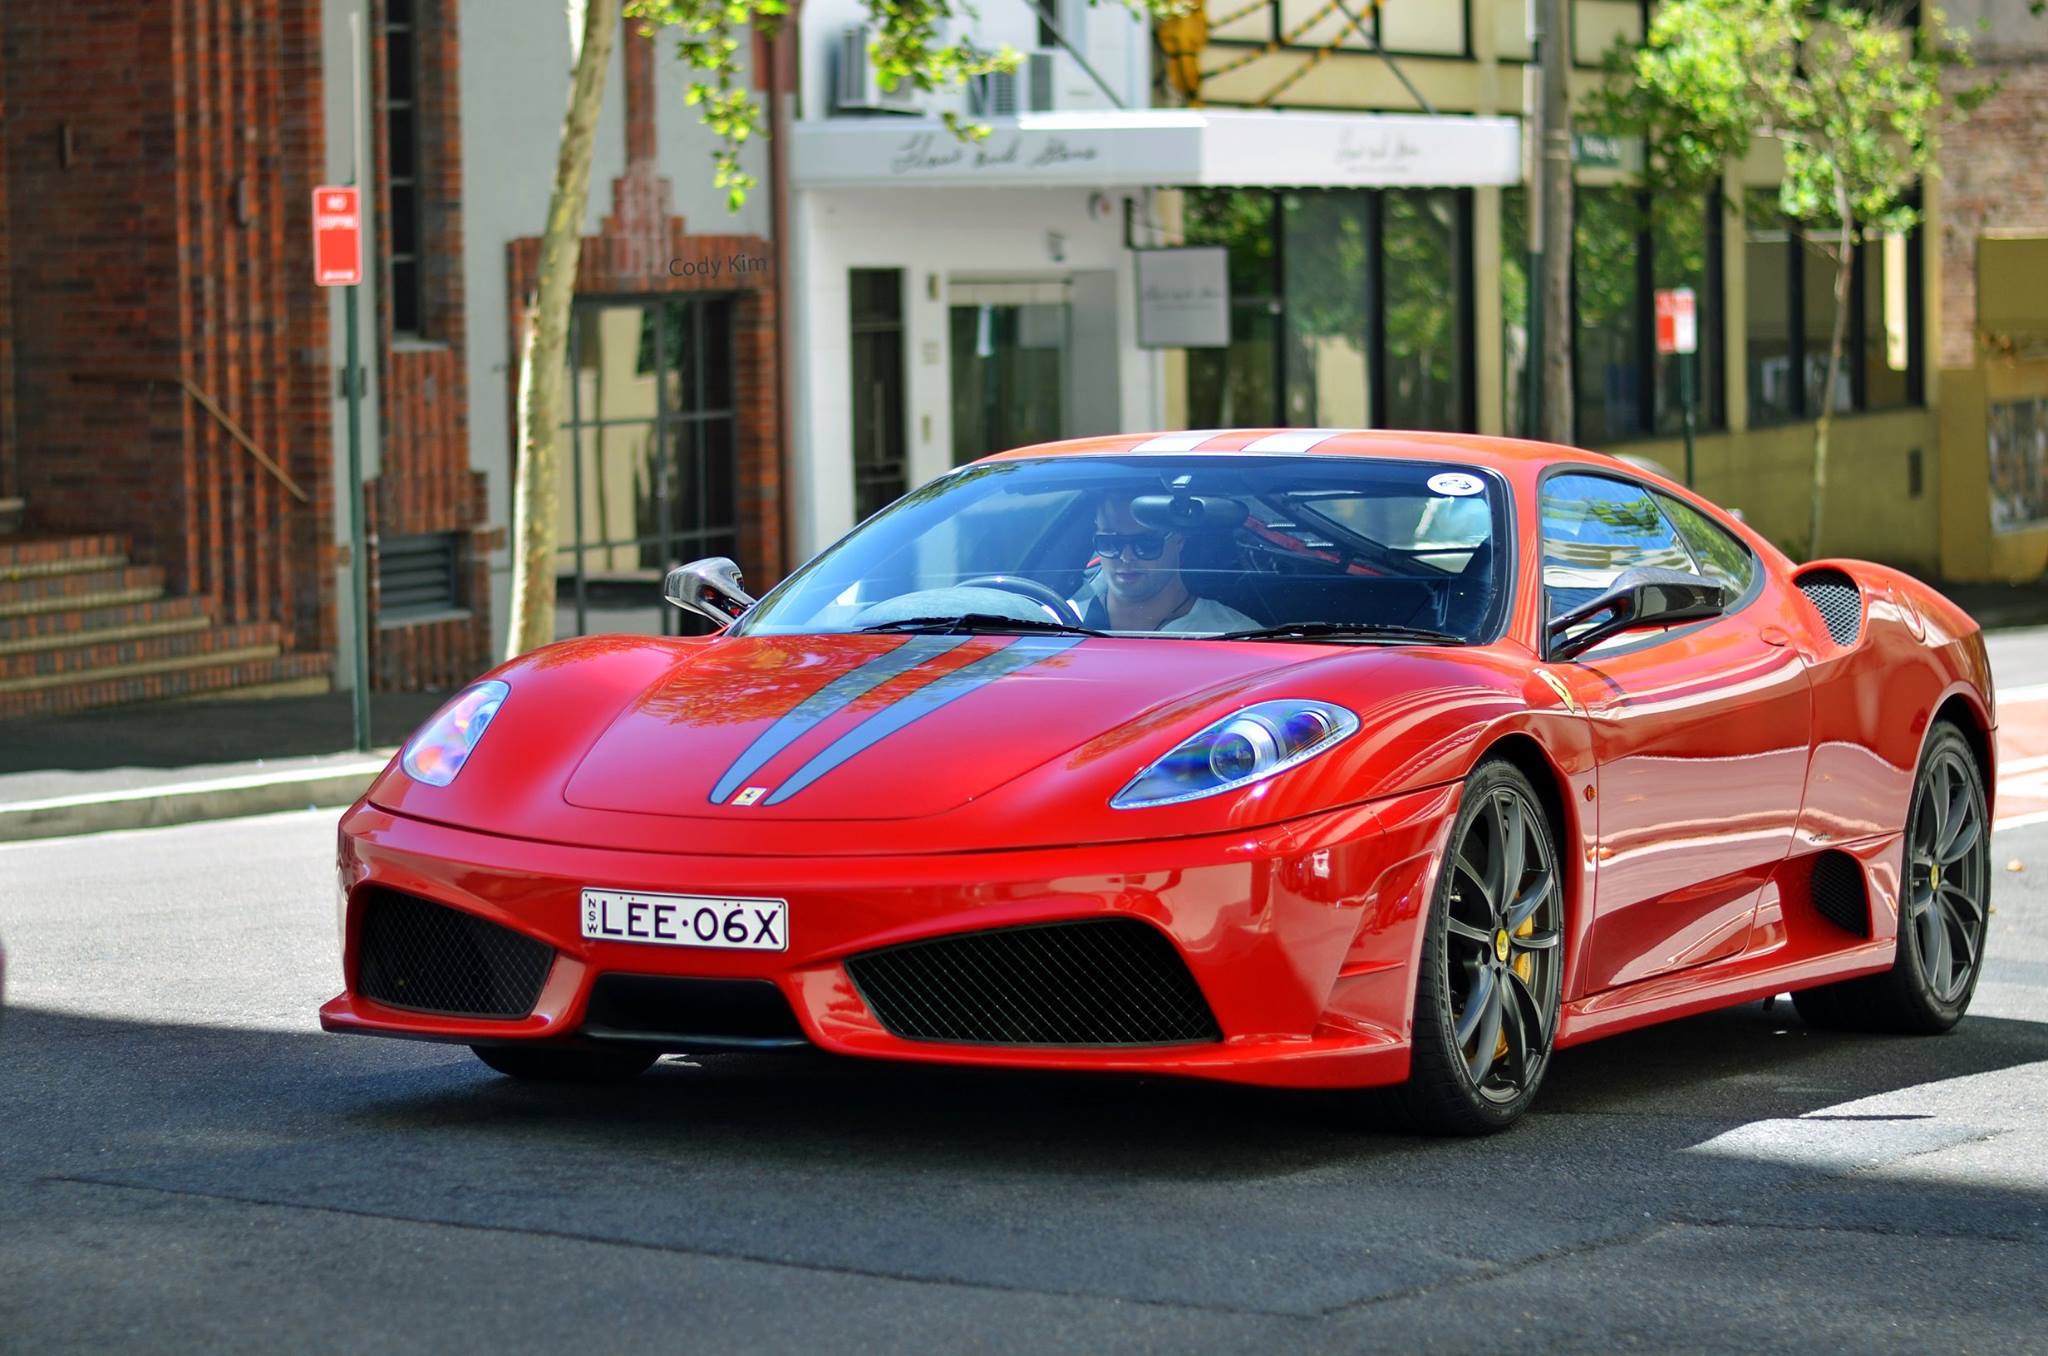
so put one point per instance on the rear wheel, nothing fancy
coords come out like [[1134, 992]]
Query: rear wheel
[[556, 1064], [1486, 1000], [1944, 912]]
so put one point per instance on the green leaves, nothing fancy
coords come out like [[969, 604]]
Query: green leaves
[[1853, 93], [910, 46]]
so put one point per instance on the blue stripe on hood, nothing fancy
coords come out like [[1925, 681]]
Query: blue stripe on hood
[[827, 702], [1019, 654]]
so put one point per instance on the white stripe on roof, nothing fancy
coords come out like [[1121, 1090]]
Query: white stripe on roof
[[1294, 440], [1179, 442]]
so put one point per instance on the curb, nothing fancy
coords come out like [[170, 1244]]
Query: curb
[[188, 802]]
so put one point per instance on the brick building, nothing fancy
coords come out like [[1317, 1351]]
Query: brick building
[[172, 417]]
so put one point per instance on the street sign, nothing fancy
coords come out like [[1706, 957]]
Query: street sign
[[337, 237], [1678, 328]]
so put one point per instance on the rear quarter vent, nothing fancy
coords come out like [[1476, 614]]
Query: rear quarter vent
[[1839, 601]]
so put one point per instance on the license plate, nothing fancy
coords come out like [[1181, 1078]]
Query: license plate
[[686, 920]]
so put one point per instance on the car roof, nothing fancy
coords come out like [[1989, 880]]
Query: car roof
[[1508, 455]]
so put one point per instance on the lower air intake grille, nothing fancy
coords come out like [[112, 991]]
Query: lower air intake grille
[[1839, 600], [1838, 892], [1111, 981], [424, 956]]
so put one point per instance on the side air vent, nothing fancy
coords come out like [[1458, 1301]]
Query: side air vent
[[430, 958], [1109, 981], [1839, 600], [1839, 894]]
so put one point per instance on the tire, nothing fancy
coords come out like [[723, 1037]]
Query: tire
[[1507, 981], [560, 1064], [1944, 913]]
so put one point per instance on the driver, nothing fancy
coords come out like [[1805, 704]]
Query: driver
[[1140, 587]]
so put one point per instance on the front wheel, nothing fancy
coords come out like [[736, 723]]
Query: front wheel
[[556, 1064], [1492, 970]]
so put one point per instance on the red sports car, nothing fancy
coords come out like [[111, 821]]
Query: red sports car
[[1295, 757]]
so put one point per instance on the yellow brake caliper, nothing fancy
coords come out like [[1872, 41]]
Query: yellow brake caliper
[[1523, 965]]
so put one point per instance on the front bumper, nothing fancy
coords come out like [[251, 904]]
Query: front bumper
[[1302, 937]]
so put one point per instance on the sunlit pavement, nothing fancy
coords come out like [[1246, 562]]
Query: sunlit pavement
[[186, 1163]]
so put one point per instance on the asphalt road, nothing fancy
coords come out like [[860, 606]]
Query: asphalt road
[[186, 1163]]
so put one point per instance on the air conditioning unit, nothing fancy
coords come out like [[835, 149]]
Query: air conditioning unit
[[1046, 82], [855, 89]]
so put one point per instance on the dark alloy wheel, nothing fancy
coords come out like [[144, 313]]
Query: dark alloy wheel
[[1943, 917], [558, 1064], [1486, 1002]]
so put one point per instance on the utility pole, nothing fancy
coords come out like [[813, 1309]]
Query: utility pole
[[1549, 145]]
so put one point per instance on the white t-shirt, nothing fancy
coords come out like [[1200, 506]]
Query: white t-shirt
[[1206, 618]]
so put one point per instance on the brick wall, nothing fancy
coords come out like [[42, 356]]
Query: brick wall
[[6, 310], [1992, 177], [159, 165], [425, 483]]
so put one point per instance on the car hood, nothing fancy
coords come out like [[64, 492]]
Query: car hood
[[879, 727]]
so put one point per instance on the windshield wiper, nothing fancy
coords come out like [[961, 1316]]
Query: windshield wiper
[[1367, 631], [976, 623]]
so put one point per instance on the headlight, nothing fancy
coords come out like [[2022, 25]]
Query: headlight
[[442, 746], [1250, 746]]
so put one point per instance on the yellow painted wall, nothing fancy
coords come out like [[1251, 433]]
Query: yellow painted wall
[[1970, 549], [1871, 513]]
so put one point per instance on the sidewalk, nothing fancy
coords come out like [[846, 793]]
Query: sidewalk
[[164, 763]]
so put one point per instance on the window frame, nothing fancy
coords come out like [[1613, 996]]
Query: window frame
[[1541, 643], [412, 186], [1855, 337]]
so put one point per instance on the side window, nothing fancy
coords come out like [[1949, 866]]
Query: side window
[[1594, 528], [1721, 557]]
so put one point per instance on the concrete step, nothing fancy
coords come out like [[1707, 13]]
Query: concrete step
[[85, 589], [101, 652], [38, 630], [44, 569], [29, 550], [258, 668]]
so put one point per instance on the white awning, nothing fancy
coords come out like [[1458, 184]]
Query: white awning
[[1172, 148]]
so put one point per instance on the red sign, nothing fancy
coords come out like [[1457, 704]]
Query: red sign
[[337, 237], [1678, 328]]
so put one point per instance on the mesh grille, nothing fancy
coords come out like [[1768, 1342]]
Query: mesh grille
[[420, 955], [1112, 981], [1839, 600], [1838, 892]]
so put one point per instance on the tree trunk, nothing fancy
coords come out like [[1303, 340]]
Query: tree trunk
[[544, 352], [1558, 405], [1845, 263]]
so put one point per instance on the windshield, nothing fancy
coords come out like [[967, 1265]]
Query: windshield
[[1163, 545]]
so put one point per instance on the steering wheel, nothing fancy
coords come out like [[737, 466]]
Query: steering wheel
[[1062, 610]]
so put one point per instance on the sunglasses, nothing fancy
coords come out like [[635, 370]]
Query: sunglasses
[[1141, 545]]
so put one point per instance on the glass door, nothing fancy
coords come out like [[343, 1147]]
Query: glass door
[[649, 460], [1009, 360]]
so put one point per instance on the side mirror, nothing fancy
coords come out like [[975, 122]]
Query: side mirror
[[710, 588], [1639, 598]]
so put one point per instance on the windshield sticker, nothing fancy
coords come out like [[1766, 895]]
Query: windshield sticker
[[1452, 482]]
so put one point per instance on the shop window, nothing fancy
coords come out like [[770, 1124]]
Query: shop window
[[1626, 246], [401, 112], [1238, 386], [1424, 242], [880, 457], [1791, 290], [1326, 240], [1349, 309], [1607, 368], [1685, 251]]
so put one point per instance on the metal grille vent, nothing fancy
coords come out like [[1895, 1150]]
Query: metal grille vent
[[418, 576], [424, 956], [1839, 600], [1838, 892], [1112, 981]]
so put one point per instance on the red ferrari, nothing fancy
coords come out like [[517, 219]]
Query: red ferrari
[[1297, 757]]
